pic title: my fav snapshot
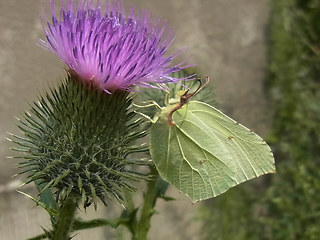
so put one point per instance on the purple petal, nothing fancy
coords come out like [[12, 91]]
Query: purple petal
[[110, 49]]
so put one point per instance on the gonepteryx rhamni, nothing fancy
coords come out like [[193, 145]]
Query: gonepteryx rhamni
[[203, 152]]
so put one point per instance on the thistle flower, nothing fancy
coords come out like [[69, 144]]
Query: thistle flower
[[109, 49], [77, 139]]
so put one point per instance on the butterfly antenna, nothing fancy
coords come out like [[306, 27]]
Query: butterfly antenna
[[185, 93], [201, 85]]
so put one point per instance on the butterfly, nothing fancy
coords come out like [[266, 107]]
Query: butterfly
[[203, 152]]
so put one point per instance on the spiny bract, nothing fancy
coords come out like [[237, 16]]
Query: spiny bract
[[77, 139]]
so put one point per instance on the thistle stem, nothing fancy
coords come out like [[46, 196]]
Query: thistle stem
[[65, 219], [143, 225]]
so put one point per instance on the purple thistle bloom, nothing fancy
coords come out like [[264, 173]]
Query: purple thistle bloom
[[110, 49]]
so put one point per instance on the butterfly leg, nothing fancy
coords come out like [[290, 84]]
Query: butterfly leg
[[152, 104], [147, 117]]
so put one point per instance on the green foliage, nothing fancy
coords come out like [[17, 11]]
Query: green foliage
[[205, 152], [288, 205], [294, 206], [75, 145]]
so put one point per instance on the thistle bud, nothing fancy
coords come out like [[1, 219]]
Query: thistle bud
[[77, 139]]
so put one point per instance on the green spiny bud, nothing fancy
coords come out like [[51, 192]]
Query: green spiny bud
[[77, 139]]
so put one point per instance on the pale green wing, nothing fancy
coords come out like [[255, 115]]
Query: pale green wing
[[250, 154], [188, 164], [207, 152]]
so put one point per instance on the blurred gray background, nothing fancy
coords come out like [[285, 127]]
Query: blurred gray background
[[225, 38]]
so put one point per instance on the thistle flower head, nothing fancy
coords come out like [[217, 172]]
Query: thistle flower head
[[77, 141], [108, 48]]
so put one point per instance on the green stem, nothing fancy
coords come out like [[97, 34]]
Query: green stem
[[79, 224], [142, 227], [65, 219]]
